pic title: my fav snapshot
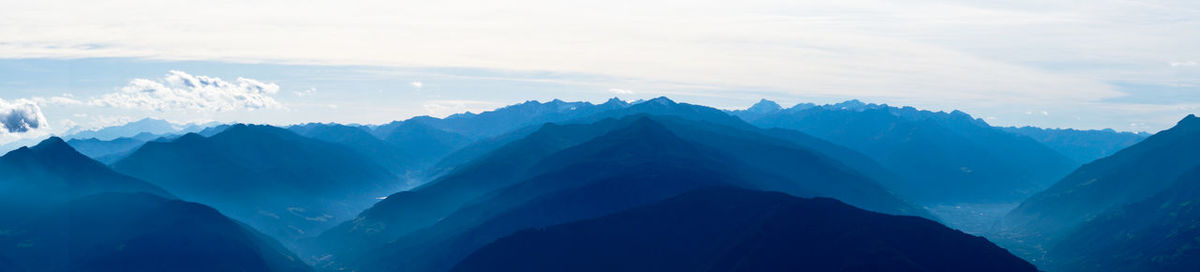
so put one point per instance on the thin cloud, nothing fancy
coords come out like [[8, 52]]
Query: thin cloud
[[308, 92], [620, 91], [1184, 63]]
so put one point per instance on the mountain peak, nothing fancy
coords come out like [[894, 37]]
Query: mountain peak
[[1191, 118], [1190, 122], [850, 104], [661, 100], [614, 101], [53, 145], [765, 106]]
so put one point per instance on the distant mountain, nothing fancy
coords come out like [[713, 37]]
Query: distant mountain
[[1129, 176], [725, 229], [943, 157], [762, 108], [52, 172], [406, 148], [213, 130], [503, 120], [147, 125], [565, 173], [426, 144], [766, 108], [284, 184], [1156, 234], [1083, 146], [139, 232], [360, 140], [106, 151]]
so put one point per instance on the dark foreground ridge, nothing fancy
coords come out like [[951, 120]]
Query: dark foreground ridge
[[727, 229]]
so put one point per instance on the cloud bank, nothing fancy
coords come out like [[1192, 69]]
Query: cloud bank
[[926, 50], [183, 91]]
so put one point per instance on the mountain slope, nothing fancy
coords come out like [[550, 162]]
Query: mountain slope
[[1082, 146], [1157, 234], [284, 184], [52, 172], [725, 229], [1131, 175], [961, 159], [637, 160], [140, 232]]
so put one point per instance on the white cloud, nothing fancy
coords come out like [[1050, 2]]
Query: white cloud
[[442, 108], [417, 84], [183, 91], [308, 92], [620, 91], [21, 116], [68, 123]]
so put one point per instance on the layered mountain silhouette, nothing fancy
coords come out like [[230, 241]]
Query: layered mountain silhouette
[[727, 229], [283, 184], [147, 125], [643, 185], [139, 129], [62, 211], [1083, 146], [360, 140], [942, 157], [33, 178], [139, 232], [106, 151], [426, 144], [633, 161], [1132, 175]]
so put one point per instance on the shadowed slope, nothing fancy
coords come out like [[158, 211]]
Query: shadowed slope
[[726, 229]]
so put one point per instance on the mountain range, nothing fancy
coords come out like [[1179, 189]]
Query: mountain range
[[644, 185], [149, 126], [1083, 146], [941, 157]]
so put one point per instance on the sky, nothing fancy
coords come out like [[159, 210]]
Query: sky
[[64, 65]]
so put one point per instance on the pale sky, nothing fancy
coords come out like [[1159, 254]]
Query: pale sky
[[1127, 65]]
